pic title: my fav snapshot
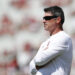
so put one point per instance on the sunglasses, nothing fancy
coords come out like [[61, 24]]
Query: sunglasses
[[49, 17]]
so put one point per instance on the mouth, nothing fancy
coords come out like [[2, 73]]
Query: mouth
[[45, 24]]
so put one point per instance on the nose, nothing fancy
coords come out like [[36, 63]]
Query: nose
[[44, 20]]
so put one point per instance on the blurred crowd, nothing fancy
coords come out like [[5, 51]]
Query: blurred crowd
[[22, 32]]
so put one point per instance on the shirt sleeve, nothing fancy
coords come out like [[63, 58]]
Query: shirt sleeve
[[32, 66], [55, 48]]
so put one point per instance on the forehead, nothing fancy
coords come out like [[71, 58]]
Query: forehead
[[48, 14]]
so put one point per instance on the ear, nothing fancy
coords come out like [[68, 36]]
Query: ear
[[58, 20]]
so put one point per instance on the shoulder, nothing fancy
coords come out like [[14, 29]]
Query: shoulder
[[61, 37], [64, 36]]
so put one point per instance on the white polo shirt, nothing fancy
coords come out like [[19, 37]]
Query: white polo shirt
[[55, 55]]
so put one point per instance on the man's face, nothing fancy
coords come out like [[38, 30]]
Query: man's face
[[49, 24]]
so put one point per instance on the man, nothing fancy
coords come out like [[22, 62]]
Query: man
[[55, 55]]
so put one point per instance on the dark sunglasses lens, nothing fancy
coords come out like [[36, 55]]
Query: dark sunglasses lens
[[47, 18]]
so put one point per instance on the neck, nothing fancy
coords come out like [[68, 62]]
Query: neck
[[55, 31]]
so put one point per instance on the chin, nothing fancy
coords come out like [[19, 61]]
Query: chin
[[46, 29]]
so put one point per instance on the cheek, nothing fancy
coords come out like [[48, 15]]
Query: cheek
[[52, 25]]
